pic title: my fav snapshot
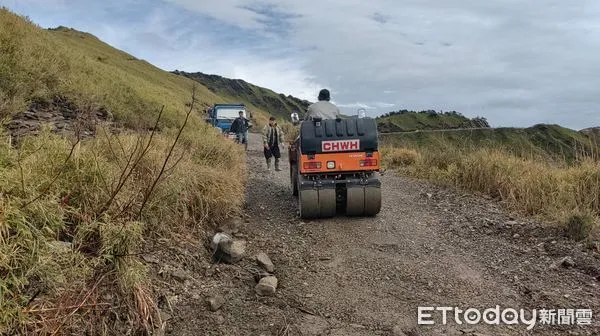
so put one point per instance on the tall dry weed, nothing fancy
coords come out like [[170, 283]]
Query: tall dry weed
[[534, 187]]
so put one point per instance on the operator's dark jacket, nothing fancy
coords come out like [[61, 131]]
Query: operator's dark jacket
[[239, 125]]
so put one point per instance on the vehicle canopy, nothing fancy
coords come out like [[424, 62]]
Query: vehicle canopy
[[223, 115]]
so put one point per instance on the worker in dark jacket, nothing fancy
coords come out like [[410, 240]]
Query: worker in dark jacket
[[273, 138], [240, 127]]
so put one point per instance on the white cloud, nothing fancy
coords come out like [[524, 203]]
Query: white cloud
[[506, 57], [227, 11], [356, 106], [514, 62]]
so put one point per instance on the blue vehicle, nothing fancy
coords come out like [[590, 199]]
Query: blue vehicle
[[223, 115]]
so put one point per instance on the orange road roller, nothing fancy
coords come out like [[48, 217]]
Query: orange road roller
[[334, 168]]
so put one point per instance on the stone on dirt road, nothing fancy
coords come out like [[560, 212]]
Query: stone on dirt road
[[265, 262], [226, 249], [165, 316], [218, 239], [179, 275], [235, 250], [215, 302], [266, 286], [565, 262]]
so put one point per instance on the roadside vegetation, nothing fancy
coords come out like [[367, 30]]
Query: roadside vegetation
[[75, 211], [290, 131], [564, 192]]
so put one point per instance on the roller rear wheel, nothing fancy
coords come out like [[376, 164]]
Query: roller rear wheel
[[363, 201], [355, 201], [327, 205], [308, 204], [372, 201]]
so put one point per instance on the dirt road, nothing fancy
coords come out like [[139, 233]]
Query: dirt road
[[428, 247]]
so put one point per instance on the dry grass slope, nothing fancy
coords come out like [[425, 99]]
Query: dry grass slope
[[73, 213], [38, 64]]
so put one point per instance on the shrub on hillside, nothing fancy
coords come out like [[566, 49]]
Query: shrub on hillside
[[400, 157], [580, 225]]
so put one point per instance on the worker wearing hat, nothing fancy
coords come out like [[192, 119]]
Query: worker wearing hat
[[273, 138]]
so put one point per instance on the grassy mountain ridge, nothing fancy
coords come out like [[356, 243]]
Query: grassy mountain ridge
[[264, 99], [547, 141], [406, 121], [546, 171], [83, 69], [41, 64]]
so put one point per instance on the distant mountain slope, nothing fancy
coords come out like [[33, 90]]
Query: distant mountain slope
[[404, 120], [593, 133], [548, 141], [264, 99]]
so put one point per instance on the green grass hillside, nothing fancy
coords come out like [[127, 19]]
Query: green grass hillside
[[406, 121], [37, 64], [75, 212], [544, 141], [259, 98], [84, 69]]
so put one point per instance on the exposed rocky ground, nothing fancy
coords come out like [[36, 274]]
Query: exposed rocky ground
[[367, 276], [61, 115]]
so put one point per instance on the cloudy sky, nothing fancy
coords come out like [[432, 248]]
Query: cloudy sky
[[515, 62]]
